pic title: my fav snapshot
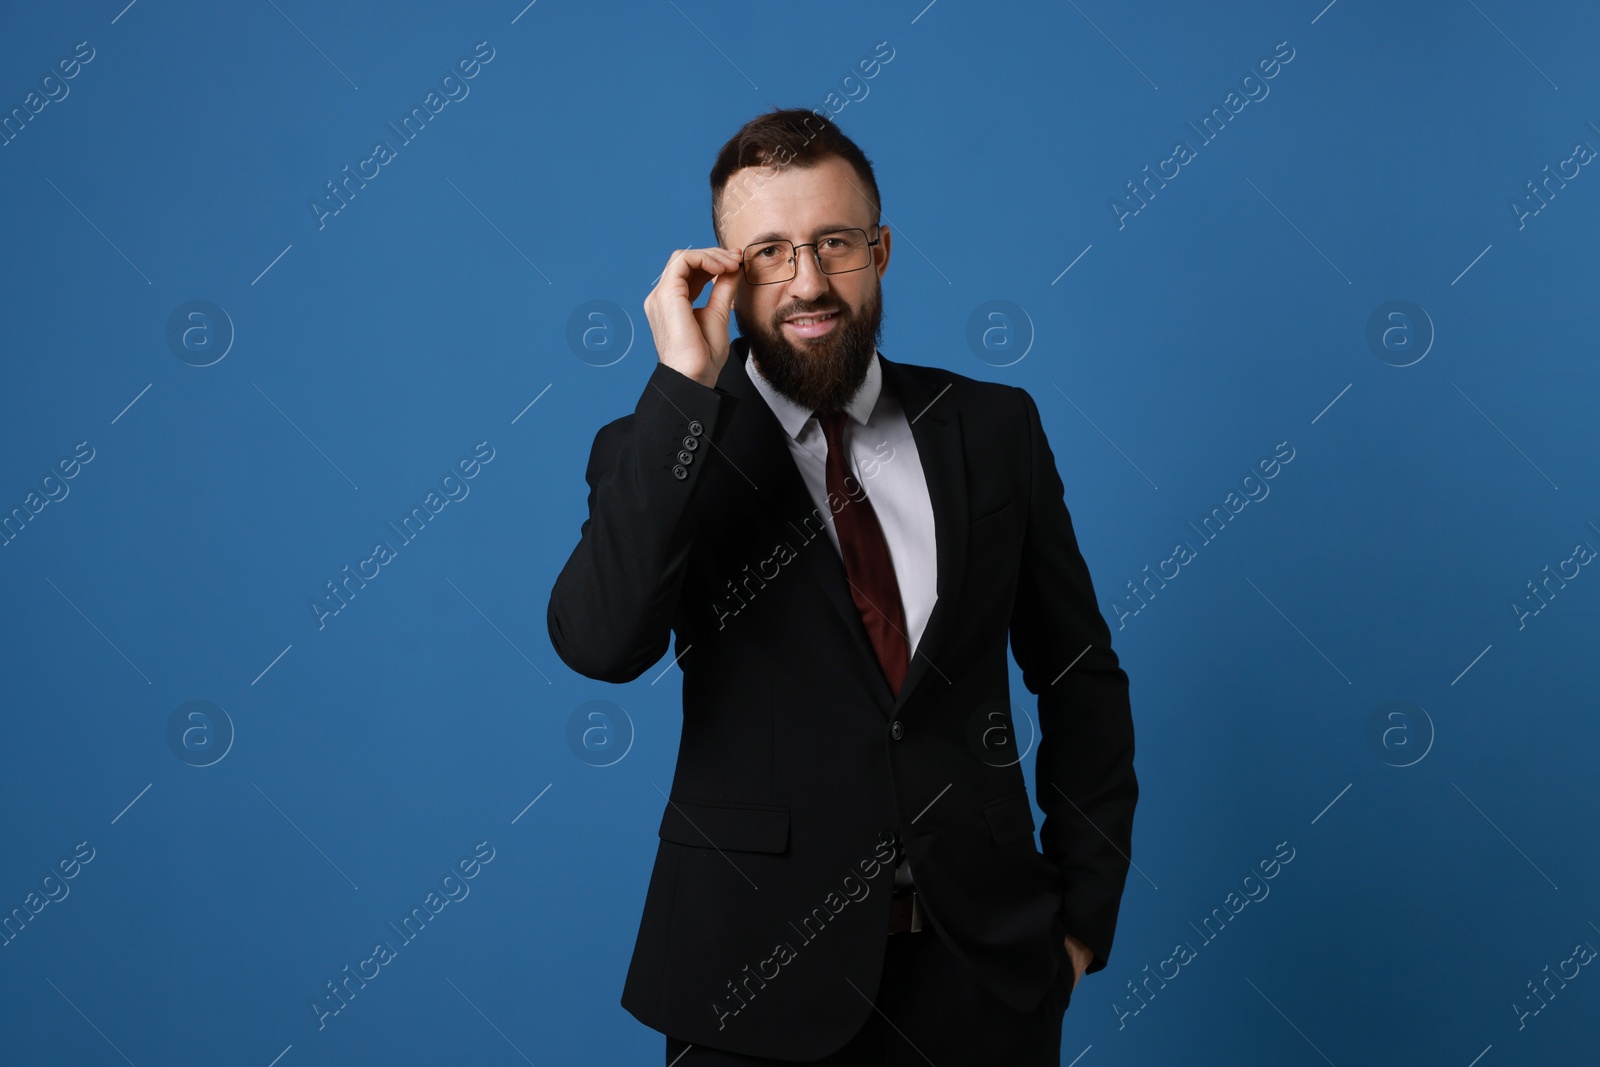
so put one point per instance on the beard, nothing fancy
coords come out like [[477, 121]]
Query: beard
[[824, 373]]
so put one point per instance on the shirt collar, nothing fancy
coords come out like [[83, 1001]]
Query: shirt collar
[[793, 417]]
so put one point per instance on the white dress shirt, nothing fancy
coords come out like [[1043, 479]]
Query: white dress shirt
[[883, 456]]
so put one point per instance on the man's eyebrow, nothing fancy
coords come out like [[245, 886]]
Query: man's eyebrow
[[832, 227]]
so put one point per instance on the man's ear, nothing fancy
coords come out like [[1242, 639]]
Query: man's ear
[[881, 252]]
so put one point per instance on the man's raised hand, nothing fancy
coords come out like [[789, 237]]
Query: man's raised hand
[[694, 341]]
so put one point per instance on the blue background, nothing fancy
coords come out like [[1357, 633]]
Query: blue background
[[1341, 669]]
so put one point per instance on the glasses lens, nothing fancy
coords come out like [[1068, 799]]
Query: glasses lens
[[842, 251], [771, 261]]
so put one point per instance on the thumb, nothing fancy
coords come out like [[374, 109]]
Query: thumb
[[721, 300]]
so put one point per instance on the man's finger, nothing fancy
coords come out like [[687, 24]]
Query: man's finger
[[688, 270], [707, 261], [722, 293]]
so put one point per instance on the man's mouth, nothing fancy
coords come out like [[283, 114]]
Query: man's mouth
[[812, 325]]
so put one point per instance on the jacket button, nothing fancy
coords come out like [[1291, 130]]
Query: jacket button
[[695, 428], [897, 731], [685, 456], [680, 472], [691, 443]]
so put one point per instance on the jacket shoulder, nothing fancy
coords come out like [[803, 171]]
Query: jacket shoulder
[[938, 377], [973, 394]]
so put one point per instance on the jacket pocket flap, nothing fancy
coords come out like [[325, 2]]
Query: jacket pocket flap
[[726, 826], [1010, 817], [995, 522]]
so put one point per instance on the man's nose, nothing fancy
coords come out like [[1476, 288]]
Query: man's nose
[[809, 282]]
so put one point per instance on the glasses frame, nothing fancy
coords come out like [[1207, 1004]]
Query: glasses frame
[[794, 258]]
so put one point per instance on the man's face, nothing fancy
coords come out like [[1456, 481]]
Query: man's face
[[819, 367]]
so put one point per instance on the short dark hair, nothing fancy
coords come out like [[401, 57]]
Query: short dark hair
[[784, 137]]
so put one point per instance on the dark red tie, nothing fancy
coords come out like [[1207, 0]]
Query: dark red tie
[[866, 558]]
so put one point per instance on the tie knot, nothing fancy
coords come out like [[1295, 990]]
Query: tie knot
[[832, 423]]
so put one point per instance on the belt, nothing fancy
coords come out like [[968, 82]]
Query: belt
[[905, 914]]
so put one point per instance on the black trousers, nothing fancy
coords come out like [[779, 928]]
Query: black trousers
[[930, 1008]]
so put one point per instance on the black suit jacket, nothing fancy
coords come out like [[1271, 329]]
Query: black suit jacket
[[765, 921]]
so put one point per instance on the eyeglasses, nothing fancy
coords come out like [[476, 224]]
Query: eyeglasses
[[839, 252]]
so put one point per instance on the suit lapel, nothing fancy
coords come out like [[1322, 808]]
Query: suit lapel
[[936, 428], [756, 445]]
